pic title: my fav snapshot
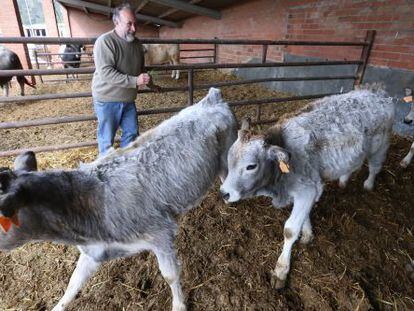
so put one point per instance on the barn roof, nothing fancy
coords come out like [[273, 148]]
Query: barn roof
[[156, 12]]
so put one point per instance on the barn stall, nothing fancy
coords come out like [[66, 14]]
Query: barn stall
[[359, 259]]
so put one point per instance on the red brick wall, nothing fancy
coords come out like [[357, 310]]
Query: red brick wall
[[335, 20], [263, 19], [51, 25], [66, 21], [349, 20], [92, 25], [50, 18]]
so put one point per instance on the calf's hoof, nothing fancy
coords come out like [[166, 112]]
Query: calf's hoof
[[58, 308], [369, 186], [276, 282], [409, 268], [306, 238], [179, 307], [404, 163], [342, 184]]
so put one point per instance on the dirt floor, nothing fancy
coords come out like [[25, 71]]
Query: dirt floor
[[357, 261]]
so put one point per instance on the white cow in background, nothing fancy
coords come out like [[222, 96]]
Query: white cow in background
[[329, 139], [157, 54]]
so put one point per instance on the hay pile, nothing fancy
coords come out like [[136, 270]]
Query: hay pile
[[363, 241]]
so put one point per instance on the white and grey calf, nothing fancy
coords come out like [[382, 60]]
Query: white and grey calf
[[126, 203], [329, 139], [157, 54], [71, 55], [409, 120]]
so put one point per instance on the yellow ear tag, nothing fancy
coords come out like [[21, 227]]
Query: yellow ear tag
[[283, 167], [408, 99]]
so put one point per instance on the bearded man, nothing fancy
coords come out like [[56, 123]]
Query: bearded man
[[119, 63]]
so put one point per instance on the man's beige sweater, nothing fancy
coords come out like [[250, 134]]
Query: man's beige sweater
[[118, 64]]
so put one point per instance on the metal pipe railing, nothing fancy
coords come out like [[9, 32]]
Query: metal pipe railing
[[191, 87], [67, 62], [66, 53], [82, 118], [366, 50], [22, 72], [202, 56], [258, 102], [20, 99], [195, 50], [61, 40]]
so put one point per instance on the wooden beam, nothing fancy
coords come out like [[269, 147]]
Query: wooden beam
[[156, 20], [85, 4], [191, 8], [141, 5], [172, 11], [109, 5], [104, 9]]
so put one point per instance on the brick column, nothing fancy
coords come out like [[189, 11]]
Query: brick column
[[50, 18], [51, 26], [11, 26], [66, 21]]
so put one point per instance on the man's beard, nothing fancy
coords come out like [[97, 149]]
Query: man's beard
[[129, 37]]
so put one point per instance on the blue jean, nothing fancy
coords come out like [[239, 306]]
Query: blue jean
[[111, 116]]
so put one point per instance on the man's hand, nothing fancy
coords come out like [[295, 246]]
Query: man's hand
[[143, 79]]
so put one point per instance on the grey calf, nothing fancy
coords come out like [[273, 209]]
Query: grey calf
[[329, 139], [127, 202]]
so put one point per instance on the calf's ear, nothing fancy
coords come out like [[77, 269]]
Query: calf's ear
[[26, 162], [245, 124], [244, 128], [279, 155], [6, 175], [9, 203]]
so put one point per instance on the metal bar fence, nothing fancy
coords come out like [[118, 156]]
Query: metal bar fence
[[61, 40], [190, 68], [20, 99], [51, 63], [366, 50], [22, 72], [48, 121]]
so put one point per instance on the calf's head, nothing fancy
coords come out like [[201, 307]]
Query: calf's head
[[254, 162], [10, 181]]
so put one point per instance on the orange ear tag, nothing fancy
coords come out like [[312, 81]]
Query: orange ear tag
[[283, 167], [6, 222], [408, 99]]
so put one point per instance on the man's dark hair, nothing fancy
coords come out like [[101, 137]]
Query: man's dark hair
[[119, 8]]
